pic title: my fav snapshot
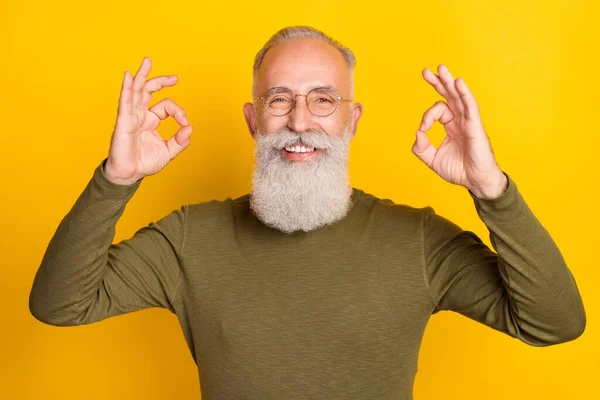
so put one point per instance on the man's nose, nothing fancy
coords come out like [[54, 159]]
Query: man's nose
[[300, 117]]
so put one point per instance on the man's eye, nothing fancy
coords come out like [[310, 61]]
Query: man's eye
[[278, 100], [324, 100]]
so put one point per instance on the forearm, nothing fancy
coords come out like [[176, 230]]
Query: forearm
[[543, 299], [76, 257]]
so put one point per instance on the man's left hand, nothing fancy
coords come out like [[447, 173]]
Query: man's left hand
[[465, 156]]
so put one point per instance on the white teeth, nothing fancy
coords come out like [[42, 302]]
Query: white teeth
[[299, 149]]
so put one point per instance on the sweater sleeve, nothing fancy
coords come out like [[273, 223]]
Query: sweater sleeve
[[524, 290], [84, 278]]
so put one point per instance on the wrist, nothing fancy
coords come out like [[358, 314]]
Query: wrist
[[106, 171], [493, 190]]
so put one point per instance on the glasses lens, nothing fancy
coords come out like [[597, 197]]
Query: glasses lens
[[322, 103], [278, 103]]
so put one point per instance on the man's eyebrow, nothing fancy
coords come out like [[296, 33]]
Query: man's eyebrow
[[283, 89], [279, 89], [324, 88]]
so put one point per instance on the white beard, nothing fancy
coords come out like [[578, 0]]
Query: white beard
[[300, 195]]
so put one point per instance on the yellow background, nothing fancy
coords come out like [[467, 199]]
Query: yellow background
[[532, 66]]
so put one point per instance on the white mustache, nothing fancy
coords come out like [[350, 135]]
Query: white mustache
[[285, 137]]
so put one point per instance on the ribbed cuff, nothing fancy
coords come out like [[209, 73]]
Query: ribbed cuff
[[116, 190], [506, 199]]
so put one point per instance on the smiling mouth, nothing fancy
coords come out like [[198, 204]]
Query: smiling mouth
[[300, 149]]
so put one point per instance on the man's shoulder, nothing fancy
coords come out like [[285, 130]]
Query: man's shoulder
[[385, 219], [384, 205], [215, 205]]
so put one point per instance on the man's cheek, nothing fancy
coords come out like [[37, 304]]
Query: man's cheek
[[334, 126], [269, 125]]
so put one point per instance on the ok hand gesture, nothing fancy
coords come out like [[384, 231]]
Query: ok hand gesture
[[465, 156], [136, 149]]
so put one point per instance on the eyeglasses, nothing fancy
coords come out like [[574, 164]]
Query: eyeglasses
[[321, 102]]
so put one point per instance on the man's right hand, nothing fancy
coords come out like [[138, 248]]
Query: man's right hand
[[136, 148]]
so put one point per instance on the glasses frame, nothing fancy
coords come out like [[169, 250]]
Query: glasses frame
[[337, 99]]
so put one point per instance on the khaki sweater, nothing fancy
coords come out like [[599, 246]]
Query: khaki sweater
[[337, 313]]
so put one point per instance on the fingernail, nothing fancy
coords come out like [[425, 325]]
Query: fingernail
[[422, 127]]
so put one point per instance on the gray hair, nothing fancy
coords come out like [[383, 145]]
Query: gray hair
[[303, 32]]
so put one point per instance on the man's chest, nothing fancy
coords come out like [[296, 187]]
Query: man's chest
[[308, 303]]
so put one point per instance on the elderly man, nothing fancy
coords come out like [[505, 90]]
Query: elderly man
[[307, 287]]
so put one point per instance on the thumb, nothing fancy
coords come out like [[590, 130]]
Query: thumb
[[179, 141], [423, 149]]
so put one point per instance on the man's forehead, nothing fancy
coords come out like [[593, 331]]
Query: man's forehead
[[304, 64], [318, 88], [300, 82]]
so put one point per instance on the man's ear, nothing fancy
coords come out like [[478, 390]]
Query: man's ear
[[251, 120], [357, 110]]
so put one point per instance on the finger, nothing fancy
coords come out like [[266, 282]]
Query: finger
[[125, 97], [142, 74], [448, 81], [154, 85], [423, 149], [471, 107], [179, 141], [435, 81], [139, 80], [438, 112], [168, 108]]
